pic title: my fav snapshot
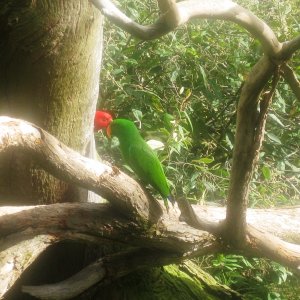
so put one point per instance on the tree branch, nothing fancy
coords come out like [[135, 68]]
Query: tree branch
[[169, 241], [262, 243], [292, 80], [257, 241], [38, 227], [89, 222], [174, 14], [102, 272], [249, 133], [123, 192], [290, 47]]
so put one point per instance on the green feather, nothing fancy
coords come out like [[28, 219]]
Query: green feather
[[139, 156]]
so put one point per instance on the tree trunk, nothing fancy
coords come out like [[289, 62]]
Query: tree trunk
[[50, 57]]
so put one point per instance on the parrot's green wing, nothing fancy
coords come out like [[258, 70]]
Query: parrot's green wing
[[145, 163]]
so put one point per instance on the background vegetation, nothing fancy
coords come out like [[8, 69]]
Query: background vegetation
[[182, 90]]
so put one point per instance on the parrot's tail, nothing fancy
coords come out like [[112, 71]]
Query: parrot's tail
[[171, 199]]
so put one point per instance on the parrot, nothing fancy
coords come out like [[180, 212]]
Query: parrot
[[101, 120], [140, 157]]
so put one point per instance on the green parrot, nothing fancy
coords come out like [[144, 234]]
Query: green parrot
[[140, 157]]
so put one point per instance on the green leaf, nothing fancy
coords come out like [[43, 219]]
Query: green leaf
[[138, 114], [266, 172], [189, 120], [204, 160], [275, 118], [273, 137], [204, 76]]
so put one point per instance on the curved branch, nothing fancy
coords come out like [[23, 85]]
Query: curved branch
[[248, 139], [175, 14], [25, 227], [260, 243], [189, 215], [292, 80], [102, 272], [66, 164], [290, 47], [257, 241], [99, 223]]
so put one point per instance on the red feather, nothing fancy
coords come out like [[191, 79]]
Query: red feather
[[102, 120]]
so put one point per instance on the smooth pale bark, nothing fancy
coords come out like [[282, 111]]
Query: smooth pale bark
[[168, 241]]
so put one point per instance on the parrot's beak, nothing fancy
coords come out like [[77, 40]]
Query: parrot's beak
[[108, 131]]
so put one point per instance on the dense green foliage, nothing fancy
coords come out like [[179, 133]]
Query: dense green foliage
[[183, 89]]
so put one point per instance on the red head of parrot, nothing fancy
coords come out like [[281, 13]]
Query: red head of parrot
[[102, 120]]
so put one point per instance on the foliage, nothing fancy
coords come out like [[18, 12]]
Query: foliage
[[183, 90], [179, 95], [254, 278]]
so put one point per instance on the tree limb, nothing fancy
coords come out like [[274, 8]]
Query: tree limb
[[257, 241], [90, 222], [292, 80], [169, 241], [66, 164], [102, 272], [248, 139], [174, 14], [290, 47]]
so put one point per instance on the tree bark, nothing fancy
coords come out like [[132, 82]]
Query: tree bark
[[50, 57], [169, 241]]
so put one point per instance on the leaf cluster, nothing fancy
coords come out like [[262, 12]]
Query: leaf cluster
[[183, 90]]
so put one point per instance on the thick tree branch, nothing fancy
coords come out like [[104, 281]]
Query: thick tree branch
[[258, 242], [122, 191], [102, 272], [248, 139], [88, 222], [174, 14], [169, 241], [101, 221], [98, 223], [262, 243], [290, 47], [292, 80]]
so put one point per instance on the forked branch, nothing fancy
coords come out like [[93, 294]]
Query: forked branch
[[174, 14], [170, 241]]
